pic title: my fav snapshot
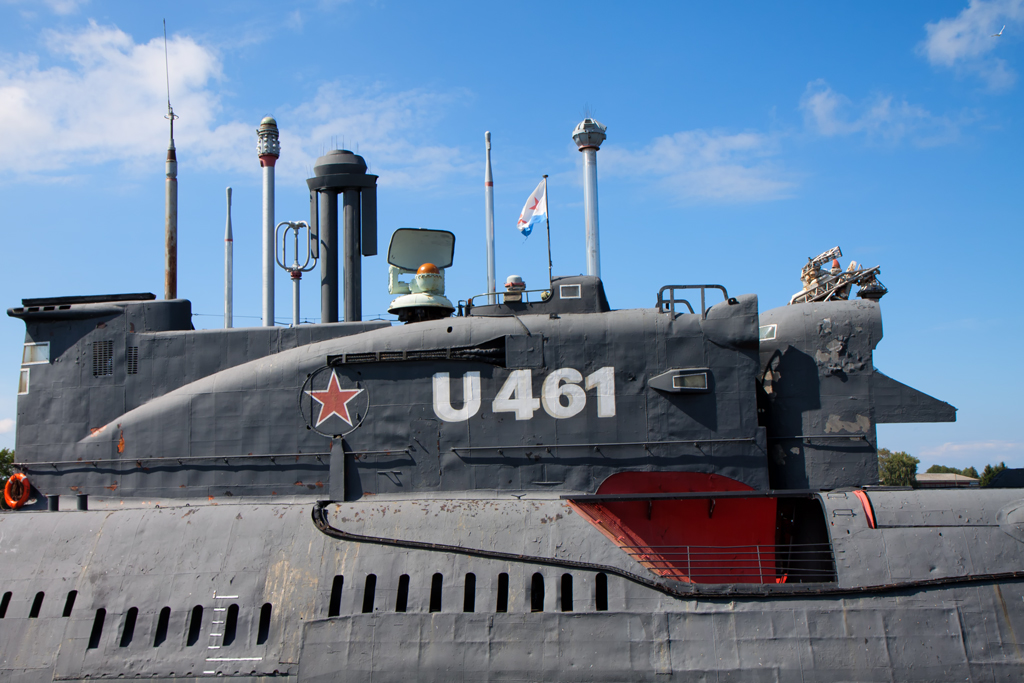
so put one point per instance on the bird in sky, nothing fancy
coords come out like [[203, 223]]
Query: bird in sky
[[997, 35]]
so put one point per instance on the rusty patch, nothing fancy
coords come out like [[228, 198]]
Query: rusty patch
[[112, 487], [319, 484], [238, 516], [120, 443], [74, 488], [95, 430], [209, 498], [298, 483]]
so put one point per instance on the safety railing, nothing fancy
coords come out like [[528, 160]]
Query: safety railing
[[668, 304], [790, 563]]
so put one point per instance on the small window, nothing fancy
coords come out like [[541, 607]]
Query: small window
[[37, 605], [231, 625], [695, 381], [129, 627], [334, 607], [195, 625], [4, 604], [102, 358], [601, 592], [371, 587], [97, 628], [767, 332], [469, 601], [23, 382], [69, 604], [537, 593], [435, 592], [36, 353], [132, 360], [566, 592], [161, 626], [569, 292], [264, 630], [402, 600], [502, 604]]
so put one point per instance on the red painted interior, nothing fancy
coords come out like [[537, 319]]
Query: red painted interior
[[731, 540]]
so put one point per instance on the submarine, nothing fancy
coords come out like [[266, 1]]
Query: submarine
[[521, 485]]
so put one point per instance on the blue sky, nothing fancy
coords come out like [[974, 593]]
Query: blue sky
[[742, 138]]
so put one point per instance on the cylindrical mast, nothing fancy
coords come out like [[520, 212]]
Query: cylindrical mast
[[589, 135], [489, 212], [229, 268], [353, 261], [296, 276], [171, 222], [269, 149], [328, 229]]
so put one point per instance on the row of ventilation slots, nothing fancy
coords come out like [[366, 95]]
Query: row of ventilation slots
[[195, 623], [103, 359], [469, 598]]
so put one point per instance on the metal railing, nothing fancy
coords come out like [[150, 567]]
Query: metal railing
[[669, 305], [791, 563]]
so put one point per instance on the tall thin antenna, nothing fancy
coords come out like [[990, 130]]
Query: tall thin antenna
[[167, 74], [171, 198]]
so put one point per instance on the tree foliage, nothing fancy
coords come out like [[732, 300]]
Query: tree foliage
[[6, 464], [943, 469], [897, 469], [6, 469], [989, 473]]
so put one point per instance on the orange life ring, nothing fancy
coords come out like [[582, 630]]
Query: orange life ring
[[16, 491]]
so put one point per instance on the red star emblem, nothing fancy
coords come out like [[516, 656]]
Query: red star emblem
[[536, 203], [334, 400]]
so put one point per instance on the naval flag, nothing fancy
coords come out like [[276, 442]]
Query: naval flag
[[535, 210]]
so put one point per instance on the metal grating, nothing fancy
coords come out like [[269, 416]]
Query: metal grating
[[132, 360], [102, 358]]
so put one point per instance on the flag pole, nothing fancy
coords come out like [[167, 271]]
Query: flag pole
[[547, 221]]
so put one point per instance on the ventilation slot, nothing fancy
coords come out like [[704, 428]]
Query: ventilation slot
[[161, 626], [537, 593], [132, 360], [69, 604], [264, 630], [102, 358], [334, 607], [195, 625], [4, 603], [402, 601], [602, 592], [469, 602], [37, 605], [97, 628], [435, 592], [371, 587], [566, 592], [129, 627], [231, 625], [502, 605]]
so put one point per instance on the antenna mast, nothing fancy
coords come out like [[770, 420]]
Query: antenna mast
[[171, 197]]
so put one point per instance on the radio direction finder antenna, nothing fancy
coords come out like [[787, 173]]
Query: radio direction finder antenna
[[171, 197]]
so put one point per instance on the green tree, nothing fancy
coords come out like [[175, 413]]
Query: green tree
[[989, 473], [897, 469], [942, 469], [6, 464], [6, 469]]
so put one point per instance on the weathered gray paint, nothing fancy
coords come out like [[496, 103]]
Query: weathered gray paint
[[204, 466]]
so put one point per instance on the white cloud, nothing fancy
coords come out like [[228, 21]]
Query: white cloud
[[55, 6], [883, 118], [965, 42], [975, 447], [700, 165], [104, 100], [384, 127], [6, 425]]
